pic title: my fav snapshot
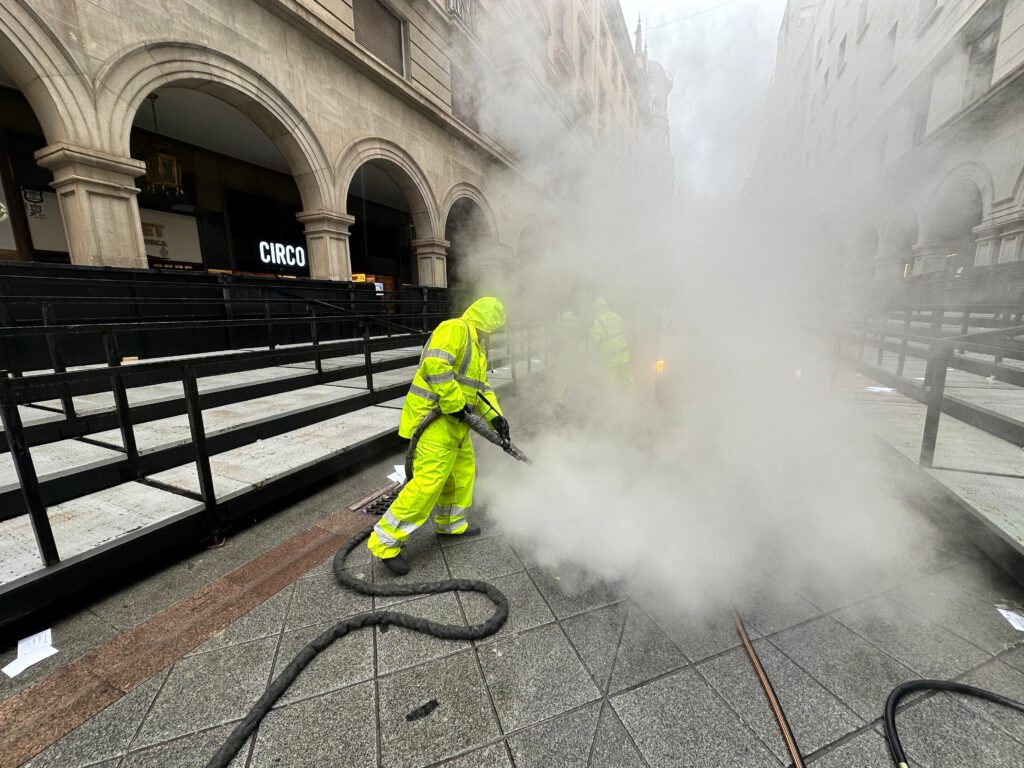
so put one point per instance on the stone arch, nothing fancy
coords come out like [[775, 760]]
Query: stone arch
[[470, 192], [125, 81], [50, 79], [402, 169], [972, 172]]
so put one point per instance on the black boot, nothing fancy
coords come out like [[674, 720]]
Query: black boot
[[471, 530], [398, 565]]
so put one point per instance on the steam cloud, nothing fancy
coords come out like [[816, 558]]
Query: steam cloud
[[752, 467]]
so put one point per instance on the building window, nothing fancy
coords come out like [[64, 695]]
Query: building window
[[982, 64], [380, 32], [888, 59], [841, 62], [862, 19]]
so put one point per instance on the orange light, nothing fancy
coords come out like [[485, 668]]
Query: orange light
[[660, 366]]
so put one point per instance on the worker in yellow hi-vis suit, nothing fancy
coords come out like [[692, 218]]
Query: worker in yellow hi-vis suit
[[609, 336], [452, 377]]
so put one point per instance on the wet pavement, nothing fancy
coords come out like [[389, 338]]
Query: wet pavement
[[585, 673]]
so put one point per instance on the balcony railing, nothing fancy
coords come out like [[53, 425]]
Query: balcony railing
[[466, 11]]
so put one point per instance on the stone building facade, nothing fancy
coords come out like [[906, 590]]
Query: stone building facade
[[897, 126], [284, 132]]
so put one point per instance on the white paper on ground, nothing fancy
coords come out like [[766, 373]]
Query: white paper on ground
[[398, 476], [31, 650], [1015, 618], [879, 389]]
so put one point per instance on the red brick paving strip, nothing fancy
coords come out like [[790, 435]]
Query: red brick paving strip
[[34, 719]]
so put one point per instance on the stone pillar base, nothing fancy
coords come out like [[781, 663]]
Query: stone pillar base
[[930, 257], [431, 262], [327, 244], [97, 196]]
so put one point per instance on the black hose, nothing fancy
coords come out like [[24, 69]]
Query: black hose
[[251, 721], [899, 756]]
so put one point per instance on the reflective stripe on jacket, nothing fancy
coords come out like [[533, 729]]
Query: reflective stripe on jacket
[[609, 334], [453, 369]]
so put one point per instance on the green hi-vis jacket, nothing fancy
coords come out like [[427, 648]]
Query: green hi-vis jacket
[[453, 368], [609, 335]]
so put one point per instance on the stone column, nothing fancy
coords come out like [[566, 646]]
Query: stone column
[[930, 256], [327, 244], [1011, 247], [987, 250], [431, 258], [97, 195]]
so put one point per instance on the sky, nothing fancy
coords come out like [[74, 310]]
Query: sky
[[721, 60]]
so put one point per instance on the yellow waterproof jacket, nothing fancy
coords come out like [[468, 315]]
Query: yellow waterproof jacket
[[609, 335], [453, 368]]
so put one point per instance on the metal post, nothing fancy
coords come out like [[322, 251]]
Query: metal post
[[57, 363], [315, 335], [27, 478], [195, 425], [367, 360], [124, 414], [935, 378], [270, 324], [423, 309], [903, 345]]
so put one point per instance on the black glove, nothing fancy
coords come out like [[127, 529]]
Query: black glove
[[461, 414], [500, 425]]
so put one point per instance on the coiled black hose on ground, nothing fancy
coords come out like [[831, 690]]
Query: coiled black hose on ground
[[899, 756], [251, 721]]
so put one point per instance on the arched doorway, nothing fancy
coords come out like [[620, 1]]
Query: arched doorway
[[31, 225], [470, 239], [217, 194], [380, 240], [229, 160], [951, 222]]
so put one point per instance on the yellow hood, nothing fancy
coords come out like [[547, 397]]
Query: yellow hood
[[600, 307], [486, 315]]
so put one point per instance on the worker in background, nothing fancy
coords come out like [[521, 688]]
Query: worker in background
[[608, 333], [452, 377]]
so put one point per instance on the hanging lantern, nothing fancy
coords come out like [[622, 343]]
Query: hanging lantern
[[163, 169]]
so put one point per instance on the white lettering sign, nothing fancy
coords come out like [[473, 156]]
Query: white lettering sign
[[284, 255]]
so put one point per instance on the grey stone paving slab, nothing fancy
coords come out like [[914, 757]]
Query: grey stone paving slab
[[613, 746], [678, 721], [53, 460], [595, 635], [644, 652], [337, 729], [346, 661], [569, 592], [136, 602], [982, 578], [483, 559], [264, 620], [209, 689], [1002, 679], [939, 731], [107, 735], [563, 742], [527, 608], [321, 599], [189, 751], [924, 647], [427, 563], [772, 610], [533, 676], [461, 719], [848, 666], [816, 716], [703, 633], [398, 648], [1014, 659], [865, 750], [494, 756], [962, 614]]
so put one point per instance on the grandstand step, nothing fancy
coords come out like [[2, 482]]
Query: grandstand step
[[88, 522], [166, 433], [55, 460], [997, 501]]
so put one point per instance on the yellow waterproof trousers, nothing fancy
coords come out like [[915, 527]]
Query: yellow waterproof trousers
[[444, 470]]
